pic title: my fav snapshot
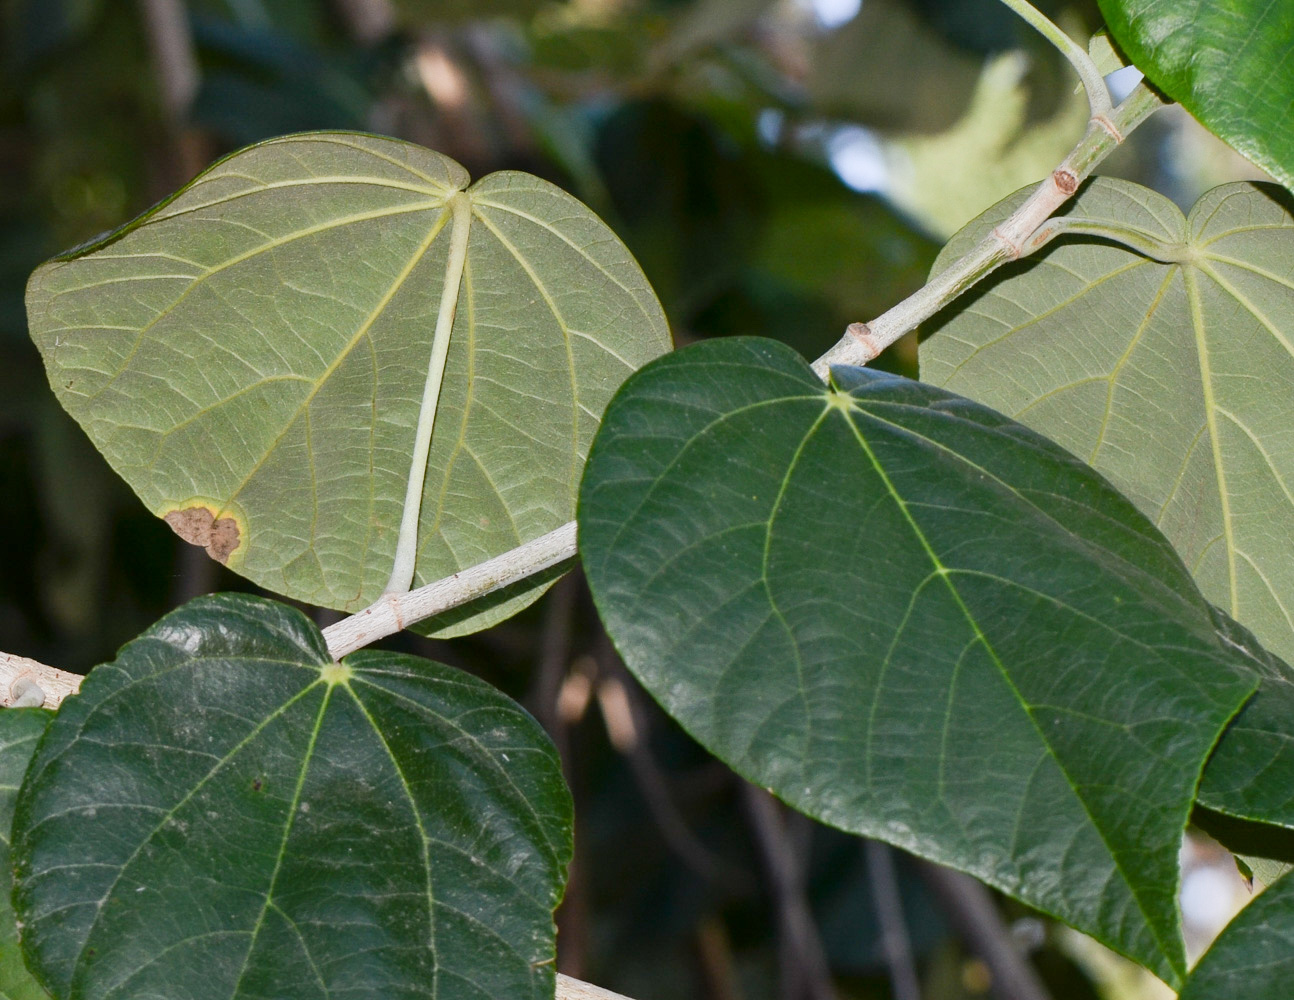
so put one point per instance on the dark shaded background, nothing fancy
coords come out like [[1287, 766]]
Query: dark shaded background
[[703, 133]]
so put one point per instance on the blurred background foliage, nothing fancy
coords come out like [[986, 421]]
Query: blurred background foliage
[[778, 167]]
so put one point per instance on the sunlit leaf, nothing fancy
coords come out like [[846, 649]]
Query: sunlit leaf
[[20, 728], [251, 357], [913, 618], [1253, 958], [1226, 61], [225, 812]]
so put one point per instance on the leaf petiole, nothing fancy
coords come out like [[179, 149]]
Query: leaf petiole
[[1098, 95], [406, 546]]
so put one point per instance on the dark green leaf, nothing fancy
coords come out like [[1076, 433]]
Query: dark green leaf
[[1253, 958], [915, 619], [1251, 774], [20, 728], [1226, 61], [225, 810]]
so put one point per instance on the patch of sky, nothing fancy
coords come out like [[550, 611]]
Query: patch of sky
[[832, 13]]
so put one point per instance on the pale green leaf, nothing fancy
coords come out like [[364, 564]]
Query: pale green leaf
[[224, 813], [251, 357], [912, 618], [1166, 377]]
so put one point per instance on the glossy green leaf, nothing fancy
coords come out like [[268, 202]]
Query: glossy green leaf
[[225, 812], [1253, 957], [1161, 375], [1226, 61], [1251, 773], [914, 619], [20, 728], [251, 356]]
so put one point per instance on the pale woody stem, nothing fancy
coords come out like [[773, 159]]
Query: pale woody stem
[[391, 613], [1098, 95], [1016, 237]]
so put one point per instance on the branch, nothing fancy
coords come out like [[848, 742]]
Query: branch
[[970, 907], [575, 989], [883, 878], [28, 683], [1010, 241], [393, 612], [171, 41], [805, 972]]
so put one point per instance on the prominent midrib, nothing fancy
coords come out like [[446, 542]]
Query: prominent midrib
[[406, 548], [1215, 442], [942, 571], [319, 382], [293, 810], [198, 786]]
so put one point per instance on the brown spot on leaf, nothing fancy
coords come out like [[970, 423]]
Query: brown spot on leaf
[[198, 526]]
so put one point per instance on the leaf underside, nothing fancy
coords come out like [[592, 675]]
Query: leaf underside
[[914, 619], [1163, 376], [251, 356], [1226, 61], [223, 810], [20, 729]]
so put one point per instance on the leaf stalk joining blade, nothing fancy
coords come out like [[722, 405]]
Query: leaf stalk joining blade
[[406, 546]]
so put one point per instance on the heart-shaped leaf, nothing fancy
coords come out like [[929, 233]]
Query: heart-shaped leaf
[[254, 354], [225, 809], [20, 728], [1226, 61], [1163, 374], [912, 618], [1253, 957]]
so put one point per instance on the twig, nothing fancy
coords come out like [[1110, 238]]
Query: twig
[[171, 40], [971, 909], [575, 989], [805, 972], [552, 663], [393, 612], [895, 943], [1098, 94], [26, 683], [628, 725], [1019, 235], [1010, 241]]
